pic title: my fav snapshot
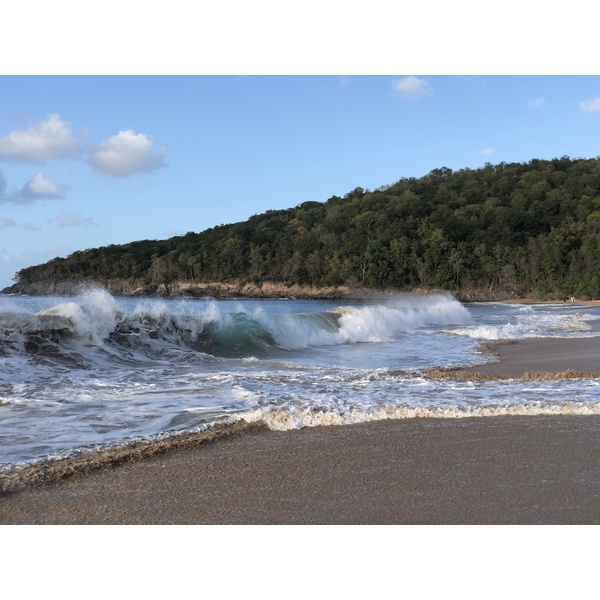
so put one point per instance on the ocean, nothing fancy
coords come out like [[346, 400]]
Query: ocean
[[93, 372]]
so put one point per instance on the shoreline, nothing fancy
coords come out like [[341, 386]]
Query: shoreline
[[545, 356], [472, 470], [548, 355], [266, 290], [493, 470]]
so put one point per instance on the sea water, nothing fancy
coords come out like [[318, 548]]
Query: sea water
[[95, 371]]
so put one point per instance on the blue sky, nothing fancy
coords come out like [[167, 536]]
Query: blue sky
[[228, 141], [92, 160]]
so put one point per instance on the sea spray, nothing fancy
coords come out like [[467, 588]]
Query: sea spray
[[530, 322], [384, 323], [96, 318], [93, 318], [93, 370]]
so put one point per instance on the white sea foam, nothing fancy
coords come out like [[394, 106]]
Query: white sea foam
[[92, 318], [489, 332], [127, 368], [530, 324], [285, 420], [385, 322], [365, 324]]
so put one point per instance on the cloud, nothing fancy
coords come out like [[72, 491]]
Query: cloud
[[43, 141], [412, 88], [126, 153], [74, 219], [487, 152], [4, 223], [590, 105], [121, 155], [537, 103], [39, 188]]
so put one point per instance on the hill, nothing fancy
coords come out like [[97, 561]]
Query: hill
[[505, 230]]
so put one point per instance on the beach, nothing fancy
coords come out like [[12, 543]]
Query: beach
[[498, 470], [485, 470], [559, 355]]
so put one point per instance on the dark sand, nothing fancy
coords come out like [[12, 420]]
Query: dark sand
[[547, 355], [507, 470], [490, 470]]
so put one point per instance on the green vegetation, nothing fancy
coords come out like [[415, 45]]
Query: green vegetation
[[524, 228]]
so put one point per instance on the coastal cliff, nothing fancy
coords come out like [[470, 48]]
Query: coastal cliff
[[186, 289]]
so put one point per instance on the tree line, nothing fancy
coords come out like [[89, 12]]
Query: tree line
[[519, 227]]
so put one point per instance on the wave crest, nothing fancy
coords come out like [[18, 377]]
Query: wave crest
[[96, 319]]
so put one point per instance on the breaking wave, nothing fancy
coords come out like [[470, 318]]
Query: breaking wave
[[531, 324], [93, 371], [96, 320]]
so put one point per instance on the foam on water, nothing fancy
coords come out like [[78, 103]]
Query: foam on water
[[95, 370], [527, 322], [92, 319], [280, 420], [385, 323], [96, 319]]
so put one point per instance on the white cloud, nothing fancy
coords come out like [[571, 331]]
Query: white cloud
[[590, 105], [39, 188], [537, 103], [43, 141], [74, 219], [412, 88], [126, 153], [487, 151]]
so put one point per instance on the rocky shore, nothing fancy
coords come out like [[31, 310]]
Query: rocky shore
[[239, 289]]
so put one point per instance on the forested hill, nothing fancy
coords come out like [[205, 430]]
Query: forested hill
[[511, 228]]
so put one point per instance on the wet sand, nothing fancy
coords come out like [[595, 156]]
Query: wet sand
[[580, 355], [491, 470], [504, 470]]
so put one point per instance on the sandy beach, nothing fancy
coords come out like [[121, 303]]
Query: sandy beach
[[558, 355], [491, 470], [505, 470]]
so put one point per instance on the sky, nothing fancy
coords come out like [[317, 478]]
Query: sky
[[104, 156], [122, 121]]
